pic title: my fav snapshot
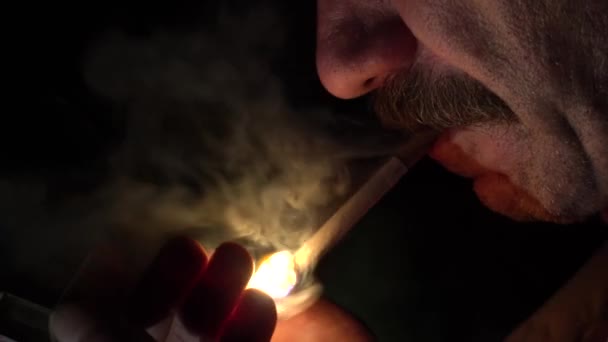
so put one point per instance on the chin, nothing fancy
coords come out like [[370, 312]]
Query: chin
[[497, 193], [496, 190]]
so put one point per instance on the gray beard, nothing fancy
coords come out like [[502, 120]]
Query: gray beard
[[555, 50], [415, 100]]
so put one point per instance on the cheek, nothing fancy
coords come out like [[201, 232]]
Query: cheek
[[463, 34]]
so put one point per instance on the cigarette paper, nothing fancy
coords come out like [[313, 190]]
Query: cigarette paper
[[363, 199]]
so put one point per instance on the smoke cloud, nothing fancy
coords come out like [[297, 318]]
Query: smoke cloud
[[207, 119], [212, 149]]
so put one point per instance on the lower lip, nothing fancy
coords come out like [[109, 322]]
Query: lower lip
[[454, 159]]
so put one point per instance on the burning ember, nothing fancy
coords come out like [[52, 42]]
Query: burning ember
[[276, 275]]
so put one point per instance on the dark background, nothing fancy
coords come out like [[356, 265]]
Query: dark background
[[428, 263]]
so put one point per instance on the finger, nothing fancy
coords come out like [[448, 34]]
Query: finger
[[167, 281], [217, 292], [253, 320], [599, 333], [99, 286]]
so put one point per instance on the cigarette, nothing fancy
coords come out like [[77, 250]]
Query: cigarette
[[363, 199]]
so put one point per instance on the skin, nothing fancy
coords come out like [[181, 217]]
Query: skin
[[532, 133], [181, 279], [543, 60], [519, 90], [578, 312], [206, 293]]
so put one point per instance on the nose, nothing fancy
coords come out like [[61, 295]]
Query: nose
[[359, 47]]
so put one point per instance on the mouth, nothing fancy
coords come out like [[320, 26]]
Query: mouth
[[453, 158], [493, 188]]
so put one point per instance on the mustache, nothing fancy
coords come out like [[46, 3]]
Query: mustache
[[416, 100]]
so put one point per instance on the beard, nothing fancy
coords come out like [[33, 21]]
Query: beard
[[418, 99], [549, 67]]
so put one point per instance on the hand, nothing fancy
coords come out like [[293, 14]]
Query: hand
[[322, 322], [577, 312], [182, 292]]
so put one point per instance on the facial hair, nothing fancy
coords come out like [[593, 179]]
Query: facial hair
[[417, 99]]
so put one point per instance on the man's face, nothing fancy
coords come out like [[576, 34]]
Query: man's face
[[519, 88]]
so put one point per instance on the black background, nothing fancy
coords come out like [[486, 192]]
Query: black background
[[428, 263]]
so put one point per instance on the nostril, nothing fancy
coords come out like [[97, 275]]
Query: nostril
[[374, 83], [369, 83]]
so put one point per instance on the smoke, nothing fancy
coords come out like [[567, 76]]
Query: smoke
[[209, 120], [212, 148]]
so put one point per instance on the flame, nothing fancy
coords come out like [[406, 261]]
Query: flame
[[276, 275]]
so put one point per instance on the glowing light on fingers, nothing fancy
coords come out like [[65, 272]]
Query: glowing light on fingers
[[276, 275]]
